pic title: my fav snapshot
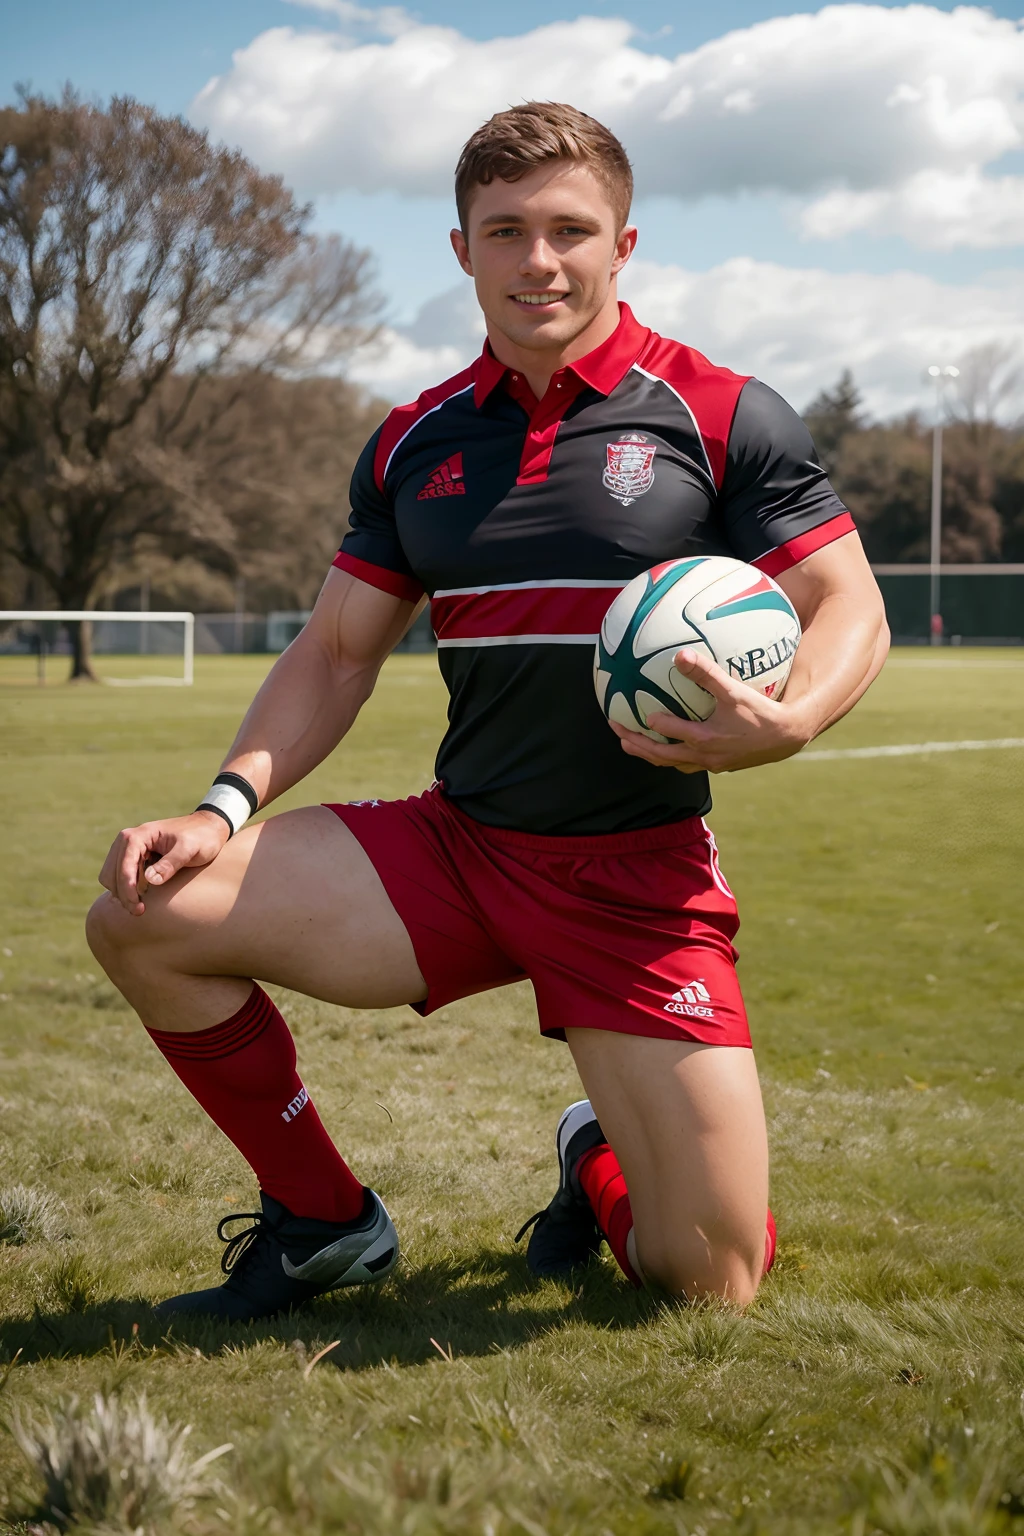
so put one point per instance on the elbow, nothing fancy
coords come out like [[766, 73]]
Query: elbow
[[883, 642]]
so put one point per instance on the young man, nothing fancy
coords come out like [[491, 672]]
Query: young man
[[551, 846]]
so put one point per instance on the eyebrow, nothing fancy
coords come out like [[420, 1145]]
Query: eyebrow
[[518, 218]]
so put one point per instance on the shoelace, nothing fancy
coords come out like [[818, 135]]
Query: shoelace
[[242, 1241], [531, 1221]]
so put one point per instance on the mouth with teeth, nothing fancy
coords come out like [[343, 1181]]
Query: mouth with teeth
[[539, 300]]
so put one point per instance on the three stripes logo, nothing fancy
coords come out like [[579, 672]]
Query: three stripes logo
[[692, 1000], [446, 480], [300, 1101]]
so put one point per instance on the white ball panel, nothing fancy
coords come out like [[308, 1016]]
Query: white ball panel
[[621, 612], [618, 710], [695, 699]]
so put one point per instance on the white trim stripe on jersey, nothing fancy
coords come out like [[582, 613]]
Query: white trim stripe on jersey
[[420, 419], [530, 586], [461, 644], [657, 379]]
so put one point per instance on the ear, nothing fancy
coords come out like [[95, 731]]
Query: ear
[[624, 247], [461, 249]]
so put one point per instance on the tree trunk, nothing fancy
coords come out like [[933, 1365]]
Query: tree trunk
[[80, 634]]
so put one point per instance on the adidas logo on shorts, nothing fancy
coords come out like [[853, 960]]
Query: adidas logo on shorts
[[691, 1000]]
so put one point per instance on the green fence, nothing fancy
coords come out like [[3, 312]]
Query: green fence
[[977, 604]]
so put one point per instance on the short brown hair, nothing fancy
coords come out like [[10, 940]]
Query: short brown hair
[[513, 143]]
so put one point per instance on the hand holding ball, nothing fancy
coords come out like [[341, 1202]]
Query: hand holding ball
[[717, 606]]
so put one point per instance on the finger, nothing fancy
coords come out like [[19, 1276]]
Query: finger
[[692, 733], [127, 887], [108, 874], [706, 673], [168, 864], [660, 756]]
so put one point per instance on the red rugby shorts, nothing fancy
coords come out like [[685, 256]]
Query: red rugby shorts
[[630, 932]]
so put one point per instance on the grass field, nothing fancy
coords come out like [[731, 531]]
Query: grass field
[[876, 1383]]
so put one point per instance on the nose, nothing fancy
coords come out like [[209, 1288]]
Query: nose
[[538, 259]]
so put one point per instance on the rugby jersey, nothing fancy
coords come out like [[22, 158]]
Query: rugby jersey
[[522, 518]]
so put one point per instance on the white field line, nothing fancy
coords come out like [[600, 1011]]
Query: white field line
[[967, 666], [911, 749]]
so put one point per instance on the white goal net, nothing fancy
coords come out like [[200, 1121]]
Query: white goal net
[[152, 635]]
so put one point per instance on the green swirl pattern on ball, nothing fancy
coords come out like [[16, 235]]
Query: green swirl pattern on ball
[[624, 667]]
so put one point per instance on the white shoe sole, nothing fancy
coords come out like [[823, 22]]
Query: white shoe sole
[[573, 1119], [358, 1258]]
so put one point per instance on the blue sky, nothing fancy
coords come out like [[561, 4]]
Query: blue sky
[[903, 173], [166, 56]]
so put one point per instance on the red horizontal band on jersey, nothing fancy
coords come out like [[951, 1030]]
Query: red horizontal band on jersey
[[794, 550], [379, 576], [536, 609]]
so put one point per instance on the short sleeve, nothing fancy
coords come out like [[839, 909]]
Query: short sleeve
[[777, 501], [372, 550]]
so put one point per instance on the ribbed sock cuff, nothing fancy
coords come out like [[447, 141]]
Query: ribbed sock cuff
[[234, 1034]]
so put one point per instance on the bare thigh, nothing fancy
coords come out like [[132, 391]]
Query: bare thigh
[[687, 1125], [292, 901]]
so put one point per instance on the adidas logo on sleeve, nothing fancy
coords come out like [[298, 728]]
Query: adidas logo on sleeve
[[446, 480]]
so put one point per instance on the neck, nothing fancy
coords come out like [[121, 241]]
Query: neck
[[538, 364]]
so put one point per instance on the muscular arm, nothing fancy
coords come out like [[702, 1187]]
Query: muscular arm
[[845, 642], [316, 688], [307, 703]]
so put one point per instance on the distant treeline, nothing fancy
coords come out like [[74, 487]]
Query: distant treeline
[[883, 470]]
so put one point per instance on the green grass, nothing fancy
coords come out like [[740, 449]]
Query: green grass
[[876, 1383]]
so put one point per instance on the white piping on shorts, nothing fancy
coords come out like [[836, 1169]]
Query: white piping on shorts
[[716, 871]]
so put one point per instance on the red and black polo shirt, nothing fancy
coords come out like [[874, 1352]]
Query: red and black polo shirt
[[522, 518]]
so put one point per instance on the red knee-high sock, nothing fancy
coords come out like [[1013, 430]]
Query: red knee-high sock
[[602, 1181], [243, 1074]]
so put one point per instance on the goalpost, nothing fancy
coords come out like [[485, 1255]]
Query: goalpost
[[40, 616]]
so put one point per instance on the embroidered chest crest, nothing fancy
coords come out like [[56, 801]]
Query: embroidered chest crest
[[629, 471]]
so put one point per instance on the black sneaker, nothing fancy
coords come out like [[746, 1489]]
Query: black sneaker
[[565, 1234], [285, 1260]]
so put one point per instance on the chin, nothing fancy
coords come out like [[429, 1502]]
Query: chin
[[546, 332]]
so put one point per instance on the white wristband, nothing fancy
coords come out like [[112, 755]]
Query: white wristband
[[229, 803]]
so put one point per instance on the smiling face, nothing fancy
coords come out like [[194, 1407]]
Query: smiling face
[[544, 253]]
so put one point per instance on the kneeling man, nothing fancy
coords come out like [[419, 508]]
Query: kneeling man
[[550, 847]]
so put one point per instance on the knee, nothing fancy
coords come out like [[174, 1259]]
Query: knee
[[110, 931], [693, 1268]]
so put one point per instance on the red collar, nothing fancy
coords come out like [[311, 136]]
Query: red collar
[[603, 369]]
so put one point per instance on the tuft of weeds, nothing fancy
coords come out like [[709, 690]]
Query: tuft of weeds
[[704, 1333], [71, 1286], [114, 1463], [29, 1215]]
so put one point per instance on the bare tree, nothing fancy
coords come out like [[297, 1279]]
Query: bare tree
[[991, 377], [139, 264]]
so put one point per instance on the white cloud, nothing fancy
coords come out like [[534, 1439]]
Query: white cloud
[[936, 208], [885, 119], [388, 20], [796, 329]]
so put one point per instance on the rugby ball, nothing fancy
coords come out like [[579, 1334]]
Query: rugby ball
[[720, 607]]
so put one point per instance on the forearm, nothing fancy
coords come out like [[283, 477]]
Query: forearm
[[318, 686], [841, 653], [302, 711]]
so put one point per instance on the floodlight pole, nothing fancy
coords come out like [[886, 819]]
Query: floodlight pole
[[935, 557]]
